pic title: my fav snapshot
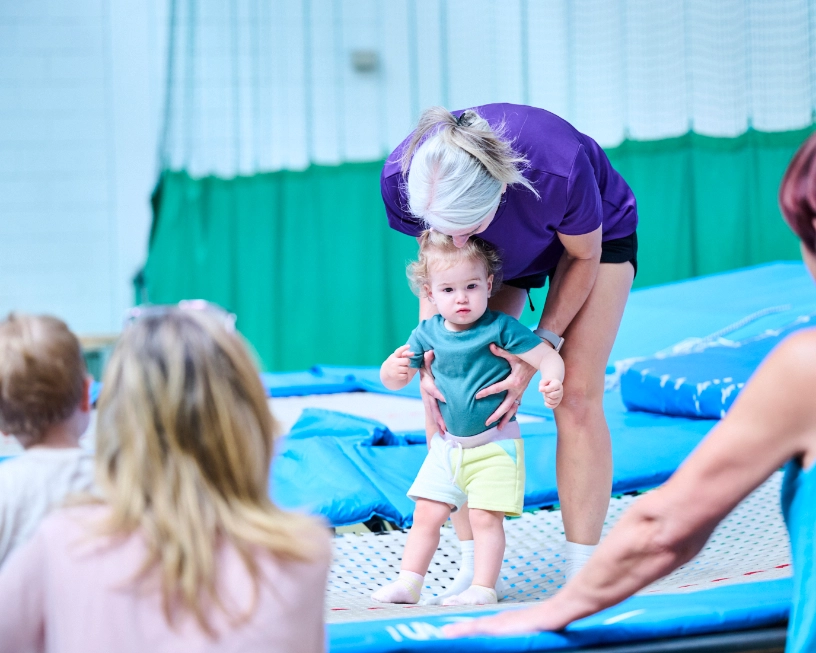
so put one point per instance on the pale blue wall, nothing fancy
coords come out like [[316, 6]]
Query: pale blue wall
[[80, 95]]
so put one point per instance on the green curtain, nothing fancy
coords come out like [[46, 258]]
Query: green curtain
[[307, 261], [303, 258]]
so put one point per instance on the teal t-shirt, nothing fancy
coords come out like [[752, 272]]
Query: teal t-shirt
[[463, 365]]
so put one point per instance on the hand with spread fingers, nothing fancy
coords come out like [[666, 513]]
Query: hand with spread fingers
[[515, 385], [430, 393], [509, 622]]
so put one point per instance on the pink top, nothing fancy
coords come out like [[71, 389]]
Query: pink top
[[63, 592]]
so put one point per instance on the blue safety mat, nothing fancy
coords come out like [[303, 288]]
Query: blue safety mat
[[659, 317], [734, 607], [703, 383], [316, 381], [689, 347], [95, 389]]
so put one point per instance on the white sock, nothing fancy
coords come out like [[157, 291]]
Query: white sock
[[577, 555], [406, 589], [464, 577], [473, 595]]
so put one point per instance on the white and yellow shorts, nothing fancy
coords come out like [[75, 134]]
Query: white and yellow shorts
[[485, 470]]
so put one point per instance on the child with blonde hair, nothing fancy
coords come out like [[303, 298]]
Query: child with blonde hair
[[183, 549], [45, 405], [473, 461]]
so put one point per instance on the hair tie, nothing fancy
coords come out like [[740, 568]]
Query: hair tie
[[460, 122]]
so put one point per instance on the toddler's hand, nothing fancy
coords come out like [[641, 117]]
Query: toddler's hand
[[553, 391], [398, 365]]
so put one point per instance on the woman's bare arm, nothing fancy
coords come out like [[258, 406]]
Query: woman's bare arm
[[573, 280], [772, 421]]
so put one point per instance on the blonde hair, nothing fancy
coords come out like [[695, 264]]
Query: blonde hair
[[183, 449], [456, 169], [437, 252], [42, 375]]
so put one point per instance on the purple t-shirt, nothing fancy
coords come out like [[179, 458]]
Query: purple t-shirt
[[578, 187]]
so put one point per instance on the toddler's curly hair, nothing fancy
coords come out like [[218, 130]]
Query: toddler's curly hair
[[437, 252]]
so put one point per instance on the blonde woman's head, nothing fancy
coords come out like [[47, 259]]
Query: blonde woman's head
[[457, 169], [184, 445]]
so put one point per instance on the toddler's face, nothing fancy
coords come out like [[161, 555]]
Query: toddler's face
[[460, 293]]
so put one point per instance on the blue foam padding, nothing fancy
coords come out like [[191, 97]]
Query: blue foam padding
[[317, 476], [733, 607], [317, 422], [96, 388], [659, 317], [701, 384], [368, 379], [316, 381]]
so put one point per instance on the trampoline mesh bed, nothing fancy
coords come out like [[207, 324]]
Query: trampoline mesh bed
[[750, 544]]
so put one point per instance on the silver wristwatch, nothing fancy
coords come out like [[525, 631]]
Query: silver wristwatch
[[555, 340]]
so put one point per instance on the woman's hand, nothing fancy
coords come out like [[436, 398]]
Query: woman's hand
[[430, 393], [515, 385], [509, 622]]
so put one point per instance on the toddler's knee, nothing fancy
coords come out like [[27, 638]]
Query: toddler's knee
[[485, 519], [433, 513]]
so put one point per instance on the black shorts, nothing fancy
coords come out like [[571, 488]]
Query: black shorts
[[619, 250]]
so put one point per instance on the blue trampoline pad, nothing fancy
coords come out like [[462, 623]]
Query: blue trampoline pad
[[316, 381], [659, 317], [701, 383], [735, 607]]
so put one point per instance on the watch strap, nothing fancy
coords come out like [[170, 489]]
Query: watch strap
[[555, 340]]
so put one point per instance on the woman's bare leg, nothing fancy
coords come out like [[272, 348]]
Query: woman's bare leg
[[584, 454]]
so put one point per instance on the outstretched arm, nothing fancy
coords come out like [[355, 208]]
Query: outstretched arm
[[772, 421]]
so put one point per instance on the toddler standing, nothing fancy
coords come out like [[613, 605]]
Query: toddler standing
[[473, 462]]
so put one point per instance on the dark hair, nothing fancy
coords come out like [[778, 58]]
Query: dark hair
[[797, 193]]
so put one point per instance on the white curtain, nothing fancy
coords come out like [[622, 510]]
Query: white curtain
[[258, 86]]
